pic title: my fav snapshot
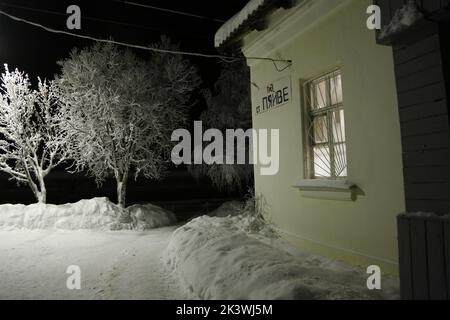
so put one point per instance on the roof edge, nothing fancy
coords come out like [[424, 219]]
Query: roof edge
[[249, 18]]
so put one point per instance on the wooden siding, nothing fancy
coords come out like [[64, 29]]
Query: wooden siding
[[422, 86], [424, 252], [422, 71]]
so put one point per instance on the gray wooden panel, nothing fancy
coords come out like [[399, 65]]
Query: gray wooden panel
[[418, 64], [430, 93], [440, 157], [418, 49], [425, 126], [426, 142], [424, 110], [420, 79], [430, 191], [436, 260], [447, 254], [419, 259], [438, 206], [404, 257], [430, 174]]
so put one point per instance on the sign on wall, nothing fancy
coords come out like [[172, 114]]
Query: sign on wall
[[274, 95]]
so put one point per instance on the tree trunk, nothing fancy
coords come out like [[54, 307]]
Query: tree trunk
[[121, 193], [121, 181], [41, 194], [42, 197]]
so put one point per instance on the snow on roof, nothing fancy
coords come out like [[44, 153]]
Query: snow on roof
[[402, 19], [235, 22]]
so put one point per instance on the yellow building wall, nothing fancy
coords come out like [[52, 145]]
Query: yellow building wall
[[363, 231]]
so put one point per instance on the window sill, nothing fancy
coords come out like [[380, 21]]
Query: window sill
[[326, 189]]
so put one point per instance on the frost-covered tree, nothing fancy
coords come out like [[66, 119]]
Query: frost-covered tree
[[228, 107], [121, 110], [32, 141]]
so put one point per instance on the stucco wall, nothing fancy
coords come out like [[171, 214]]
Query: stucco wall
[[361, 231]]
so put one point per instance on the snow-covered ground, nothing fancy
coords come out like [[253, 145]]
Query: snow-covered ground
[[114, 265], [232, 254], [38, 242], [237, 257]]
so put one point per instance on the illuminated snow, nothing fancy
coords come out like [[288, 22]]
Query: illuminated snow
[[92, 214], [114, 265], [218, 258], [403, 18], [236, 21]]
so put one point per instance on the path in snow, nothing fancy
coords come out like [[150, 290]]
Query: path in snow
[[114, 265]]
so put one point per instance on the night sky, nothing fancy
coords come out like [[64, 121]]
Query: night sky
[[37, 51]]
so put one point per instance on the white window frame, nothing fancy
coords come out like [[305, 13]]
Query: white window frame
[[308, 123]]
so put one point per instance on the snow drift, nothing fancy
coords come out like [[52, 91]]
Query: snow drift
[[92, 214], [230, 208], [215, 258], [402, 19], [149, 216]]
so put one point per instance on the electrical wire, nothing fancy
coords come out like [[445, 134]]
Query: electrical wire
[[187, 53], [169, 10], [227, 59], [97, 19]]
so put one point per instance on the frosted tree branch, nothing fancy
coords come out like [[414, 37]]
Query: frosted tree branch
[[32, 141], [120, 110]]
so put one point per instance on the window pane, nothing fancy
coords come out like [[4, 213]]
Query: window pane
[[312, 97], [340, 160], [336, 89], [321, 161], [338, 126], [321, 94], [320, 129], [327, 127]]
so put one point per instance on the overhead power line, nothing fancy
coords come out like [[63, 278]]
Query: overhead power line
[[224, 58], [108, 21], [187, 53], [169, 10]]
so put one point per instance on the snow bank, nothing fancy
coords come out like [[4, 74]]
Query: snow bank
[[230, 208], [92, 214], [402, 19], [149, 216], [214, 258], [97, 214]]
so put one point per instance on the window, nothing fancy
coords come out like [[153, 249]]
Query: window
[[325, 129]]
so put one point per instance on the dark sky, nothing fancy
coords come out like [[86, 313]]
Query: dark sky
[[36, 51]]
